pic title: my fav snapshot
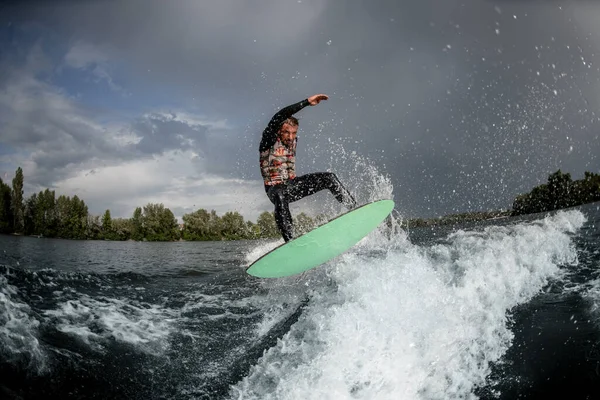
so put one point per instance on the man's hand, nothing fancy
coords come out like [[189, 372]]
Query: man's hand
[[316, 99]]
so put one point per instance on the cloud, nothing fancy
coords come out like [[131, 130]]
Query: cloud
[[212, 48], [164, 179], [181, 158], [52, 128], [85, 56], [465, 104]]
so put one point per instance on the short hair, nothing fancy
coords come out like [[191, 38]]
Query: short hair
[[293, 121]]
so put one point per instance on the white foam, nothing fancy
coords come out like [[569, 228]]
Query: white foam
[[220, 304], [260, 250], [19, 331], [414, 322], [98, 321], [592, 294]]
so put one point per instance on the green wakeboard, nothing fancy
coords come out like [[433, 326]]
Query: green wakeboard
[[322, 243]]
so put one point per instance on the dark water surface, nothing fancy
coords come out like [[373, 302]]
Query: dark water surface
[[506, 309]]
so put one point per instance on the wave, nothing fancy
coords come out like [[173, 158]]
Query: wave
[[392, 319], [19, 344]]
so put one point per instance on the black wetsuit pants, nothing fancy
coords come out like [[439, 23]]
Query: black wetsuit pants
[[295, 189]]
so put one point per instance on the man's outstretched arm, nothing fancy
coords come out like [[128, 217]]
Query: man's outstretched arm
[[269, 136]]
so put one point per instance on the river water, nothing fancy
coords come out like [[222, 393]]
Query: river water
[[505, 309]]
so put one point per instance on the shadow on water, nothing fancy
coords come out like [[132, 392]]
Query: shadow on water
[[555, 352], [79, 374], [120, 371], [219, 388]]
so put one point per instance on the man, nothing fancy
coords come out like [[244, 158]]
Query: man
[[278, 167]]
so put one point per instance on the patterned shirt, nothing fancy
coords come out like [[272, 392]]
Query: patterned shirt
[[277, 161]]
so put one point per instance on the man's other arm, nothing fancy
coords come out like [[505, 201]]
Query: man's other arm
[[269, 136]]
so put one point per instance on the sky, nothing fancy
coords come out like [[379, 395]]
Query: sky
[[455, 106]]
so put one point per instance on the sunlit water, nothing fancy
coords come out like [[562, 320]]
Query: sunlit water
[[506, 309]]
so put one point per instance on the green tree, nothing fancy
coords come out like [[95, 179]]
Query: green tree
[[215, 227], [46, 213], [75, 219], [587, 190], [251, 230], [560, 192], [160, 223], [29, 214], [17, 200], [559, 188], [137, 224], [6, 212], [63, 204], [266, 225], [71, 216], [121, 229], [93, 227], [196, 225], [40, 214], [107, 231], [303, 223], [233, 226]]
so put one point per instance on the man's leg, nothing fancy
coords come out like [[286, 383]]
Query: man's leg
[[284, 194], [308, 184], [279, 196]]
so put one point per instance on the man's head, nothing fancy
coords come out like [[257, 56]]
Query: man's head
[[288, 130]]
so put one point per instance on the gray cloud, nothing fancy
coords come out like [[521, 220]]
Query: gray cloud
[[464, 104], [64, 137], [163, 132]]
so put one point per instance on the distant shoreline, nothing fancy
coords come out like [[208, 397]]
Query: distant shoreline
[[453, 219], [44, 215], [446, 220]]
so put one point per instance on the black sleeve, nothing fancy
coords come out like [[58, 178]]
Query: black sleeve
[[269, 136]]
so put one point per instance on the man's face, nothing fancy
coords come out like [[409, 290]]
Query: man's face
[[287, 134]]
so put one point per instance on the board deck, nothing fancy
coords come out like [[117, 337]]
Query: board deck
[[322, 243]]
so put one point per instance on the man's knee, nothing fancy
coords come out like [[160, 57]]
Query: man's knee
[[333, 181], [277, 196], [330, 177]]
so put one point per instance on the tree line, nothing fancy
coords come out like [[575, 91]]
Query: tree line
[[44, 214], [559, 192]]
